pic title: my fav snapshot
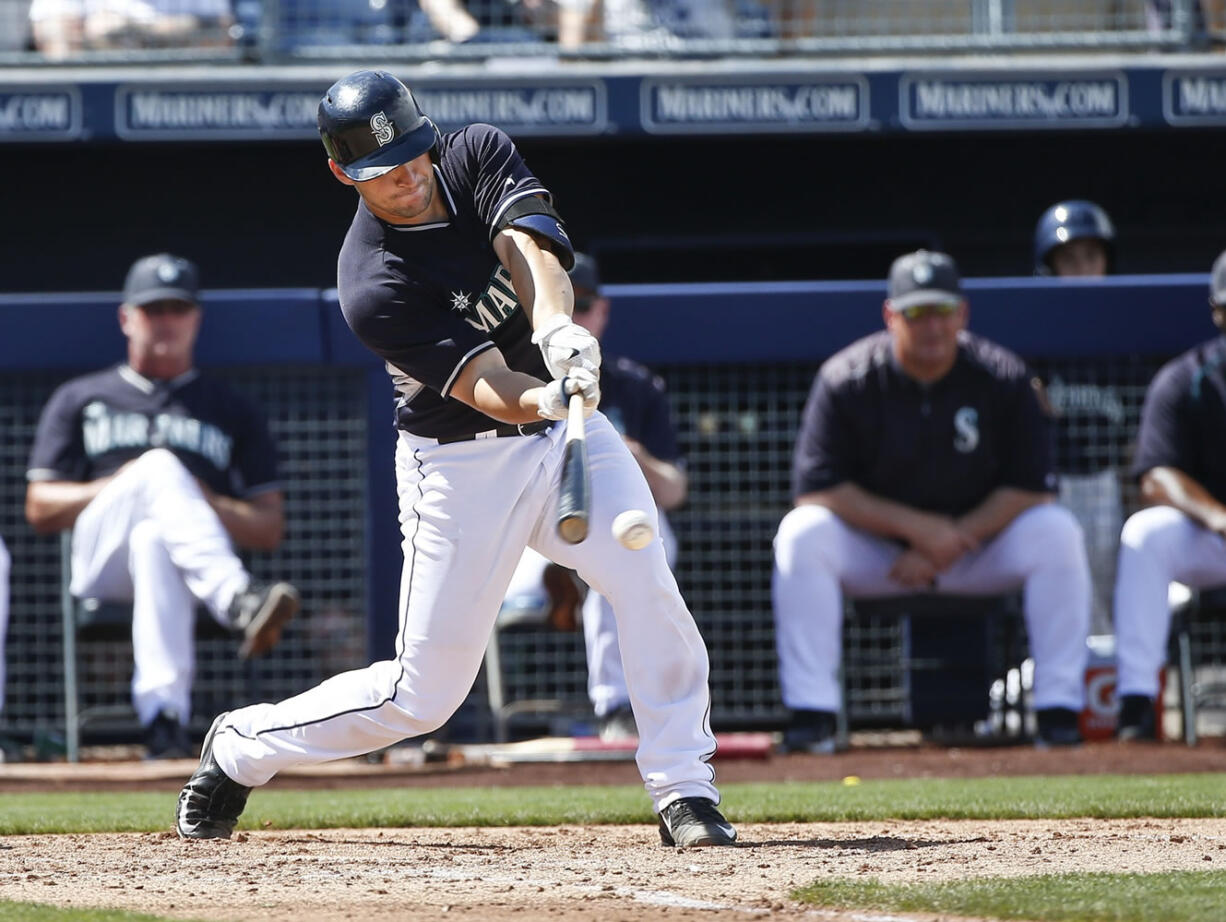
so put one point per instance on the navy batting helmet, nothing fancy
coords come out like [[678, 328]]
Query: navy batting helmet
[[370, 124], [1072, 220]]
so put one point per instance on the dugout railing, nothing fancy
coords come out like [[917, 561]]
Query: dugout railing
[[737, 379], [288, 31]]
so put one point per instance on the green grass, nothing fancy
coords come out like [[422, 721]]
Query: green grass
[[36, 912], [1176, 896], [1120, 796]]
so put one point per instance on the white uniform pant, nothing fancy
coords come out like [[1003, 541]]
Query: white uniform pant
[[5, 565], [818, 557], [467, 510], [151, 538], [606, 679], [1158, 546]]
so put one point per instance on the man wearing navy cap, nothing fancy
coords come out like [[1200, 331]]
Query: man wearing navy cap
[[160, 471], [923, 464], [1180, 465]]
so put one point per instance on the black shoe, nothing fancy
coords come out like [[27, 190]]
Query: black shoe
[[1057, 727], [1136, 720], [693, 821], [812, 731], [210, 803], [261, 612], [619, 725], [166, 738]]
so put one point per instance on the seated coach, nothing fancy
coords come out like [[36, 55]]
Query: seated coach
[[923, 464]]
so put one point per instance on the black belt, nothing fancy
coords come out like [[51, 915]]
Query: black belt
[[499, 432]]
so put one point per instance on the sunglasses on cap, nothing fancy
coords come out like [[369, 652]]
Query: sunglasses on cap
[[919, 311]]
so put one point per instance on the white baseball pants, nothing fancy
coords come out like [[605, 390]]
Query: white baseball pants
[[151, 538], [818, 557], [467, 510], [1158, 546], [606, 679], [5, 567]]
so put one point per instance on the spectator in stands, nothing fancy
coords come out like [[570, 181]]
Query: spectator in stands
[[635, 402], [62, 28], [1160, 17], [923, 465], [1180, 465], [1076, 239], [159, 471]]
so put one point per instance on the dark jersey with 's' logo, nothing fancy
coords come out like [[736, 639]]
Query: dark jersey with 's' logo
[[428, 298], [94, 424], [941, 447]]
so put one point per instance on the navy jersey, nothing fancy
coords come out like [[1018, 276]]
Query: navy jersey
[[1183, 421], [94, 424], [636, 404], [941, 447], [428, 298]]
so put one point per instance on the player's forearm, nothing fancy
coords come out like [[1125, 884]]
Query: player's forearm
[[668, 483], [507, 396], [998, 509], [252, 526], [1169, 486], [540, 282], [53, 505], [869, 512]]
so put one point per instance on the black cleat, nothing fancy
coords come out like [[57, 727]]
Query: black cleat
[[618, 725], [690, 822], [812, 731], [210, 803], [166, 738], [260, 612], [1058, 727], [1136, 721]]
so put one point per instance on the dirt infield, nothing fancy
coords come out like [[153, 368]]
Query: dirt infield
[[566, 873], [588, 873]]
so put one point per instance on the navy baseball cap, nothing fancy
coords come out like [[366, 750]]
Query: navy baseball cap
[[161, 277], [923, 277], [584, 274], [1217, 282]]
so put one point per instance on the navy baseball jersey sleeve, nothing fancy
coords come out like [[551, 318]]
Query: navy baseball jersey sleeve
[[824, 444], [1026, 453]]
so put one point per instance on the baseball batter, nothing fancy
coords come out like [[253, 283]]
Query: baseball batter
[[923, 464], [454, 272], [1182, 535], [160, 471]]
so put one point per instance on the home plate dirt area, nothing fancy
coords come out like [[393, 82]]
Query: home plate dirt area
[[602, 872]]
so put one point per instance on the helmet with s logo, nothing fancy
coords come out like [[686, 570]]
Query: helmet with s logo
[[370, 123]]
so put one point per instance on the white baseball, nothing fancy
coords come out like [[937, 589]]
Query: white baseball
[[633, 529]]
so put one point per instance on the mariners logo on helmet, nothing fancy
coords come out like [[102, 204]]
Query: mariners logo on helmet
[[383, 132]]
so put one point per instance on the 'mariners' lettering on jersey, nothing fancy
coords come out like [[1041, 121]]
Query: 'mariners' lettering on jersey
[[105, 430], [496, 303]]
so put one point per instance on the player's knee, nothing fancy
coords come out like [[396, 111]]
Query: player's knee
[[806, 537], [160, 462], [1152, 530], [1053, 532]]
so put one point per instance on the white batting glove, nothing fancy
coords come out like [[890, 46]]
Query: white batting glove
[[566, 346], [554, 399]]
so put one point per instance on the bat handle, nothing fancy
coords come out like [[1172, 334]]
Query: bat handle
[[574, 418]]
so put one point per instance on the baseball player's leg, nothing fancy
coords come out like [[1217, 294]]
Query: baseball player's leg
[[5, 569], [606, 677], [818, 556], [526, 597], [1158, 545], [1042, 551], [155, 487], [663, 654], [163, 626], [464, 524]]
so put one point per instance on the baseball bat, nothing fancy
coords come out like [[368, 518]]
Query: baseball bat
[[575, 495]]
